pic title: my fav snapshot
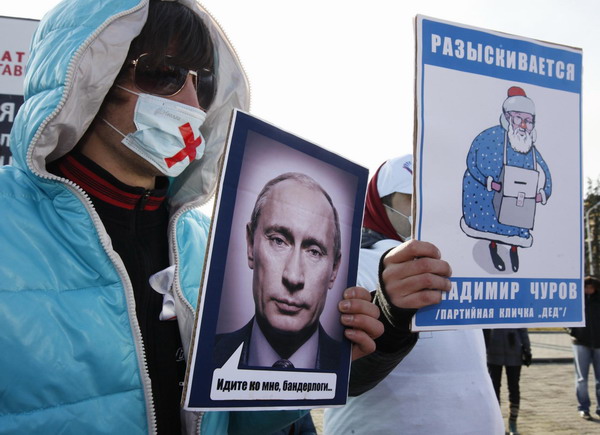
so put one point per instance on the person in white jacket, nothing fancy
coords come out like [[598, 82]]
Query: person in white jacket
[[442, 386]]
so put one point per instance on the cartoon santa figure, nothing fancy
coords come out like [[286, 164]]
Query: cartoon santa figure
[[506, 178]]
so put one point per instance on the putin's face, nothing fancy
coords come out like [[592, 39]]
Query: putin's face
[[292, 255]]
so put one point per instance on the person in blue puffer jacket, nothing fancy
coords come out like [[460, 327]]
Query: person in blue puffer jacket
[[118, 142]]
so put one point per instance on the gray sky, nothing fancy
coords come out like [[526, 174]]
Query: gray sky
[[340, 73]]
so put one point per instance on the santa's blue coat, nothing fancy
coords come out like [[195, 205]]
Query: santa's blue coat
[[485, 159]]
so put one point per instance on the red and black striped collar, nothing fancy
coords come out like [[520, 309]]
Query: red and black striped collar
[[101, 185]]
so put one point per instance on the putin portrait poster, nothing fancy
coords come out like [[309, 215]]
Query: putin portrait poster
[[498, 176], [283, 247]]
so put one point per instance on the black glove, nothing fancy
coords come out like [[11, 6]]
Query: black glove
[[526, 357]]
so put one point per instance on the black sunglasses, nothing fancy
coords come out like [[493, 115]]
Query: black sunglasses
[[164, 79]]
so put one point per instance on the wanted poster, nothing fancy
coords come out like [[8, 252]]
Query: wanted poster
[[498, 176]]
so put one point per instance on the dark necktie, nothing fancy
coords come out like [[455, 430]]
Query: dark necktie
[[283, 364]]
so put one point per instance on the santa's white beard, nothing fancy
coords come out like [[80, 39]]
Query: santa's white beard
[[521, 142]]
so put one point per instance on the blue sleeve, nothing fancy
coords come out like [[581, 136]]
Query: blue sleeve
[[480, 159], [548, 184]]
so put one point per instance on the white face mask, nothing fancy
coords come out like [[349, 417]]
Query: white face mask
[[408, 218], [168, 133]]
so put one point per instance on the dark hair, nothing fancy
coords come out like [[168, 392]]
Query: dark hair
[[387, 199], [175, 29], [309, 183], [171, 28], [593, 281]]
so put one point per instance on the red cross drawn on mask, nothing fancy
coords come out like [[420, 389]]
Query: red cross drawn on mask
[[191, 144]]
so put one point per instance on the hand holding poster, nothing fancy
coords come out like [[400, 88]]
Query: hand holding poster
[[498, 176], [284, 247]]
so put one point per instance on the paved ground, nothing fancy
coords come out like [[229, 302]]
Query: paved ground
[[548, 403]]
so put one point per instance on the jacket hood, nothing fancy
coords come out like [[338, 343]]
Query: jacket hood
[[76, 54]]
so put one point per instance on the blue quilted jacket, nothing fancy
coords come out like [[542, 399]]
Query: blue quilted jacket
[[72, 359]]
